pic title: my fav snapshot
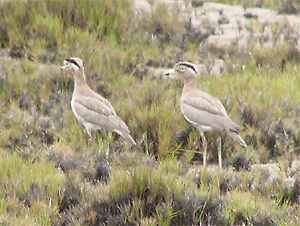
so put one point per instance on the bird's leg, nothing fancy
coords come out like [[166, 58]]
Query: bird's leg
[[89, 138], [107, 150], [219, 140], [106, 136], [204, 145], [101, 141]]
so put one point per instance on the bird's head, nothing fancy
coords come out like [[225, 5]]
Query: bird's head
[[182, 70], [72, 65]]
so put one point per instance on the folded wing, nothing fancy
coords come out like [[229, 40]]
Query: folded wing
[[205, 110], [99, 112]]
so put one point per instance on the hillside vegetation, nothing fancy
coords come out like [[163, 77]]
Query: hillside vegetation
[[52, 173]]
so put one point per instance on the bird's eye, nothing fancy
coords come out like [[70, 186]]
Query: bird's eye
[[66, 64], [182, 69]]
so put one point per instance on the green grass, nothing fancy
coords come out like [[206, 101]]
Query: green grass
[[51, 172], [18, 178]]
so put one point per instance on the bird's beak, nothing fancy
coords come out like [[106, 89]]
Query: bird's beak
[[63, 66], [168, 73]]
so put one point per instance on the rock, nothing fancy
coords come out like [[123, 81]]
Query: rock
[[44, 122], [295, 165], [218, 66], [288, 182], [270, 169]]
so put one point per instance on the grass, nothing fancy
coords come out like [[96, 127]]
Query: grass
[[36, 184], [52, 173]]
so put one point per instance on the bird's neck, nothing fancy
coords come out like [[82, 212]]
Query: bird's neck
[[80, 79], [189, 84]]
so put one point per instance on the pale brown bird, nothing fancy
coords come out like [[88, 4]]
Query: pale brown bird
[[91, 109], [202, 110]]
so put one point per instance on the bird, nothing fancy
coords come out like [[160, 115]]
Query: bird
[[202, 110], [91, 109]]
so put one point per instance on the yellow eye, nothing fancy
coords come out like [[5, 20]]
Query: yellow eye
[[182, 69]]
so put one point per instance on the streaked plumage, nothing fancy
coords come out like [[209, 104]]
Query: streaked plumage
[[202, 110], [91, 109]]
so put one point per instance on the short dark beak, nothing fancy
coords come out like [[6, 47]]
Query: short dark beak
[[169, 72]]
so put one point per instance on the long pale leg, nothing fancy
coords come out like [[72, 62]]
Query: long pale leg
[[104, 138], [219, 151], [89, 138], [204, 144]]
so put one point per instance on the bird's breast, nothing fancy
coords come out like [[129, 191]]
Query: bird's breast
[[75, 112]]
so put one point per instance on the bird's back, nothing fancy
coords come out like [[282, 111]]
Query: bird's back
[[95, 112], [206, 112]]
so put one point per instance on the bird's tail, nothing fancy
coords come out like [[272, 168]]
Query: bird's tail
[[129, 138], [122, 129], [238, 139], [125, 134]]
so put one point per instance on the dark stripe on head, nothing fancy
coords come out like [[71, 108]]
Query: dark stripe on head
[[189, 66], [73, 62]]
